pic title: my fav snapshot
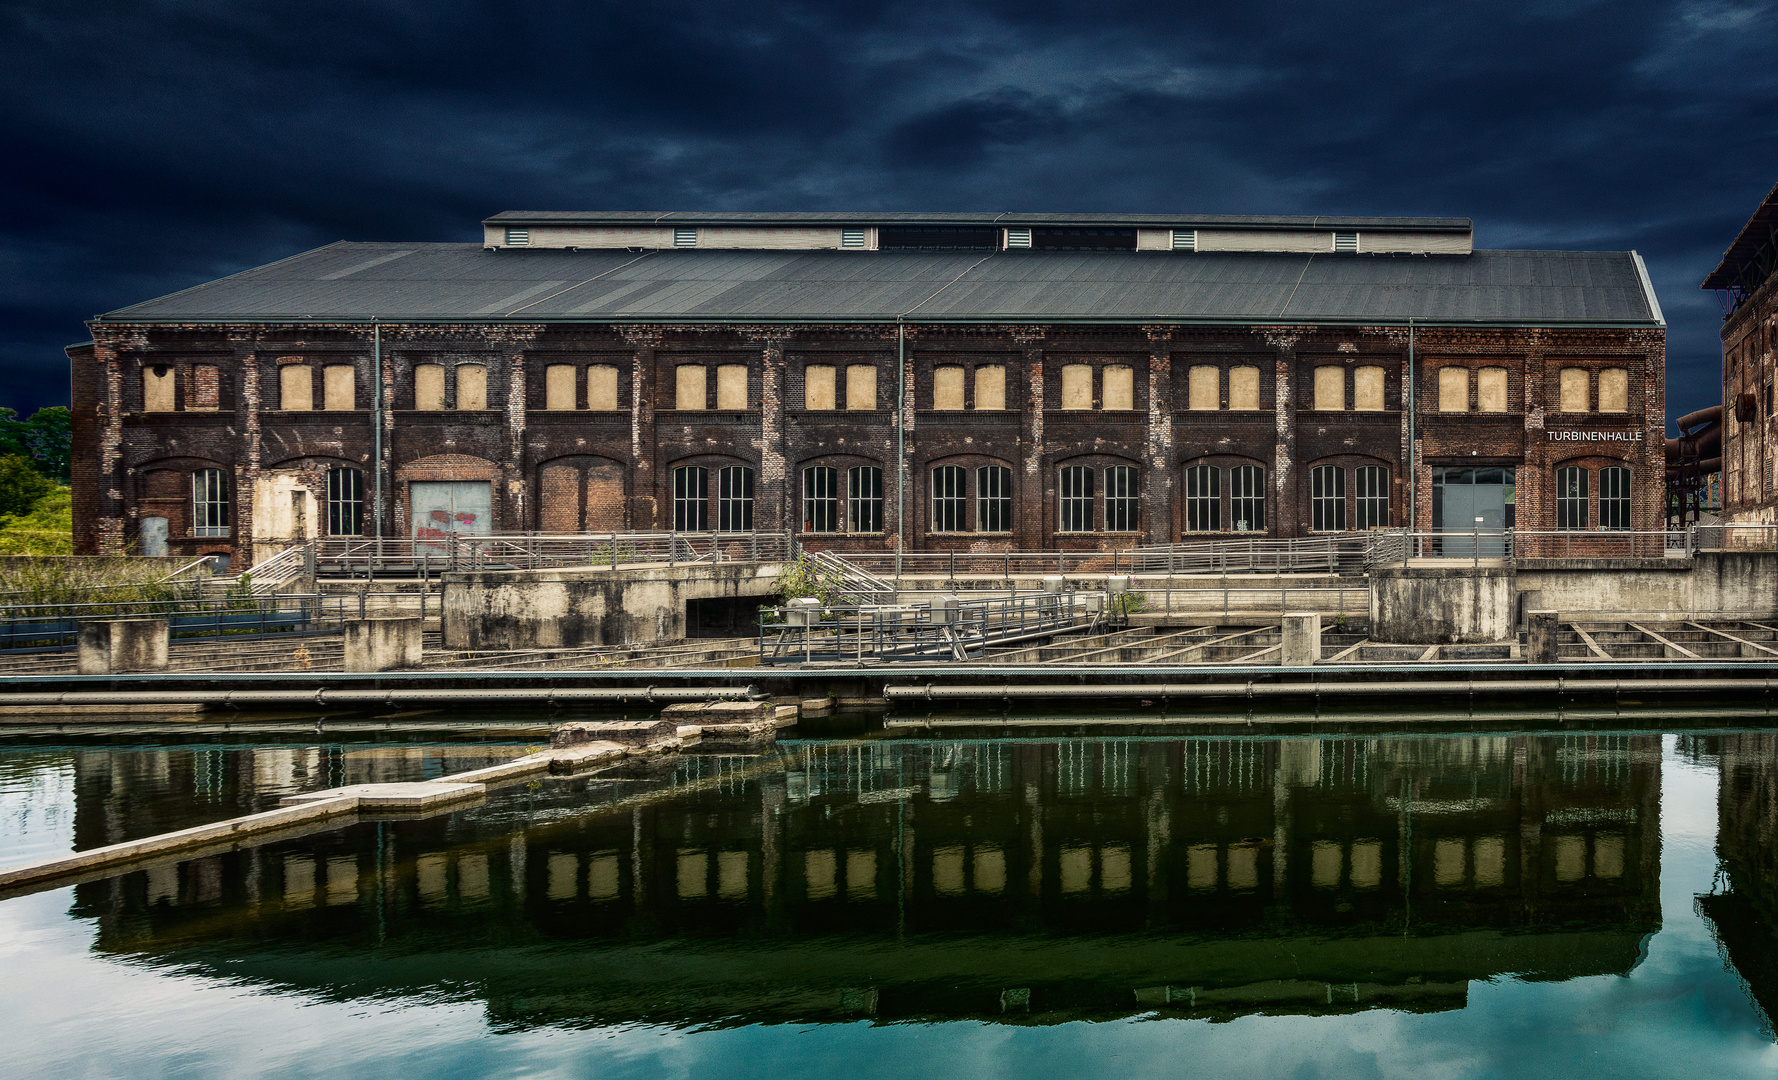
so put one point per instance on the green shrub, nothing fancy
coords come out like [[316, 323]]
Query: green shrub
[[21, 485], [47, 529]]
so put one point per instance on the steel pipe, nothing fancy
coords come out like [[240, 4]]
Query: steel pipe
[[325, 696], [935, 692]]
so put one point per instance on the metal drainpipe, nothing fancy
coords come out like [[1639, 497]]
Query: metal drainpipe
[[1413, 472], [376, 337], [901, 459]]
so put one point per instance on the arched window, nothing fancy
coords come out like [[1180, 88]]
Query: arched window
[[429, 392], [1571, 498], [993, 499], [1203, 498], [1574, 384], [691, 498], [864, 499], [1453, 389], [821, 499], [950, 499], [1247, 498], [209, 503], [734, 499], [560, 394], [1121, 499], [1075, 491], [1614, 391], [472, 387], [1327, 498], [1614, 497], [345, 502], [296, 388], [157, 388], [1371, 499]]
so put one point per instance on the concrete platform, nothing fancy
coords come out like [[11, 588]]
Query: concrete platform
[[423, 795]]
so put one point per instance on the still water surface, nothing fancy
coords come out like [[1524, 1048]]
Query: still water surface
[[1426, 906]]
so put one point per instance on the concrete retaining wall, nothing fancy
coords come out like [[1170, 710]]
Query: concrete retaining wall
[[1712, 582], [1442, 606], [533, 609]]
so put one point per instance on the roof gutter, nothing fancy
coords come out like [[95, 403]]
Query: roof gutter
[[882, 320], [1648, 289]]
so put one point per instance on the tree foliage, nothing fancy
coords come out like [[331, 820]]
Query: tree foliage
[[21, 485], [48, 529], [45, 439]]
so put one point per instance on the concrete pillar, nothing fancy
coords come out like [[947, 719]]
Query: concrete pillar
[[109, 646], [383, 644], [1302, 639], [1540, 637]]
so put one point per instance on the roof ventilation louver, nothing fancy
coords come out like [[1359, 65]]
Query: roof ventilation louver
[[685, 237], [1185, 239], [851, 238], [1346, 241], [1018, 238], [518, 237]]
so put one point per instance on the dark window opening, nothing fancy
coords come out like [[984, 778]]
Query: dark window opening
[[938, 238], [1083, 239]]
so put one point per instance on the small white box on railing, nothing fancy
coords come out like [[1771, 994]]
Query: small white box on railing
[[802, 611], [1052, 583], [1117, 584]]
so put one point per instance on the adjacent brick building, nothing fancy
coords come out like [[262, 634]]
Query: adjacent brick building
[[969, 382], [1749, 288]]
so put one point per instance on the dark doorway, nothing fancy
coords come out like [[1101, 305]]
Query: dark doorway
[[723, 616]]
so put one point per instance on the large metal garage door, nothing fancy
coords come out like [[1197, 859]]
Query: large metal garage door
[[444, 508]]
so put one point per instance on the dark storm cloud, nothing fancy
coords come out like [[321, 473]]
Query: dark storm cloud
[[155, 145]]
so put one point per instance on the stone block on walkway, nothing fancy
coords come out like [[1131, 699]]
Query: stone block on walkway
[[384, 644], [622, 732], [1302, 640], [111, 646]]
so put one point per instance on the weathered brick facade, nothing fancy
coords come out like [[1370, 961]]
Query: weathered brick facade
[[614, 469], [1749, 285]]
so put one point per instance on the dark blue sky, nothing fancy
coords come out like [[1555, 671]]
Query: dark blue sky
[[157, 144]]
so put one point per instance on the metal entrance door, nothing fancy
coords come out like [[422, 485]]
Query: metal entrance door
[[1476, 502], [154, 536], [445, 508]]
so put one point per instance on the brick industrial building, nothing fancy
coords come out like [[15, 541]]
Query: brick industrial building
[[1747, 280], [947, 381]]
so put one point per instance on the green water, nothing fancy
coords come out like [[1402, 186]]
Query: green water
[[1583, 904]]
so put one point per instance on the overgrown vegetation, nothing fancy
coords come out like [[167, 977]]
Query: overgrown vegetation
[[806, 577], [131, 585], [46, 528]]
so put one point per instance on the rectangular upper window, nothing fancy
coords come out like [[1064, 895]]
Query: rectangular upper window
[[938, 238], [1061, 239]]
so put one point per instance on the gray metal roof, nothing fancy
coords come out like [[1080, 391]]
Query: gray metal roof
[[347, 281], [823, 217]]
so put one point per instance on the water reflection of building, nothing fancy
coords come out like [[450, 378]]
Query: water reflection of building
[[1745, 914], [1013, 879], [123, 794]]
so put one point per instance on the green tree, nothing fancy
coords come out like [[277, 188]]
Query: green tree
[[47, 530], [21, 485], [46, 439]]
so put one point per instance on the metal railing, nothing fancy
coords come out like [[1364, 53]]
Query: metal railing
[[1397, 546], [1336, 554], [855, 586], [49, 626], [359, 557], [947, 629]]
